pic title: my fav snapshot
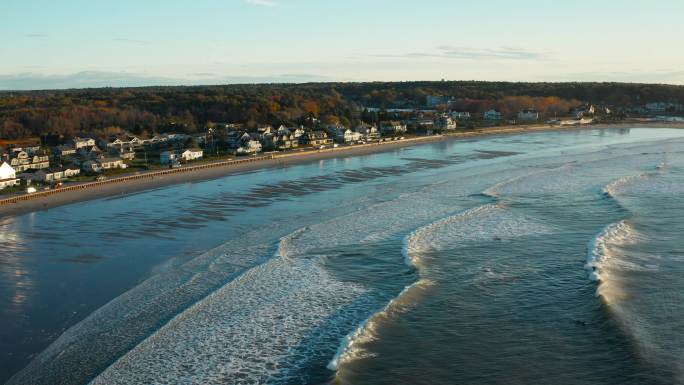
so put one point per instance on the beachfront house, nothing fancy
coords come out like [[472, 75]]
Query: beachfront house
[[350, 136], [286, 141], [169, 157], [367, 131], [336, 131], [392, 127], [580, 111], [528, 115], [103, 163], [191, 154], [445, 123], [251, 146], [52, 174], [315, 138], [21, 161], [8, 176], [492, 115]]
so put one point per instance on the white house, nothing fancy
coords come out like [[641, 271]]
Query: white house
[[22, 161], [250, 147], [528, 115], [103, 163], [54, 175], [492, 115], [350, 136], [191, 154], [299, 132], [82, 142], [8, 177]]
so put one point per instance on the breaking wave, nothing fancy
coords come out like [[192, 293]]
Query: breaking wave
[[476, 224], [600, 251], [612, 188]]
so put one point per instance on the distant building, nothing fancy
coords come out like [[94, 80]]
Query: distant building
[[52, 174], [286, 140], [8, 176], [191, 154], [581, 111], [79, 143], [21, 161], [251, 146], [336, 131], [445, 122], [315, 138], [461, 115], [492, 115], [350, 136], [392, 127], [65, 150], [103, 163], [169, 157], [367, 131], [528, 115]]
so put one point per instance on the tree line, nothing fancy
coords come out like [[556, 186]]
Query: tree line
[[148, 110]]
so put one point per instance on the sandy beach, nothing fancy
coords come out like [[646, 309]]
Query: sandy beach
[[152, 180]]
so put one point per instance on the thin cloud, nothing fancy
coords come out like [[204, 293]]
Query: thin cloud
[[97, 79], [36, 35], [132, 41], [467, 53], [263, 3]]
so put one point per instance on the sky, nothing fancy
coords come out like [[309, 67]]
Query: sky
[[48, 44]]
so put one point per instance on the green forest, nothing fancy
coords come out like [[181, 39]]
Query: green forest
[[149, 110]]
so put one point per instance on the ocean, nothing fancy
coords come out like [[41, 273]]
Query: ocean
[[546, 258]]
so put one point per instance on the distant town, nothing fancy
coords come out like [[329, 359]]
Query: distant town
[[30, 164]]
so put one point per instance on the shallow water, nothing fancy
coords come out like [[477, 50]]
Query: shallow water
[[534, 258]]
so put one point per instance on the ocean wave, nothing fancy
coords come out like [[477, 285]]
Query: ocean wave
[[612, 188], [365, 332], [601, 252], [262, 327], [475, 224], [86, 348]]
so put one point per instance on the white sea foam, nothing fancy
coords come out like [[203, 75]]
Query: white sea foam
[[612, 188], [262, 327], [112, 329], [601, 257]]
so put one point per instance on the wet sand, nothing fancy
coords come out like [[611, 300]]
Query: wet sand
[[279, 160]]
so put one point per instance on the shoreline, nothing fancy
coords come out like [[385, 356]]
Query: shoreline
[[135, 183]]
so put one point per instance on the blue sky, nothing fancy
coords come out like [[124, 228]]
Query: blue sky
[[79, 43]]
